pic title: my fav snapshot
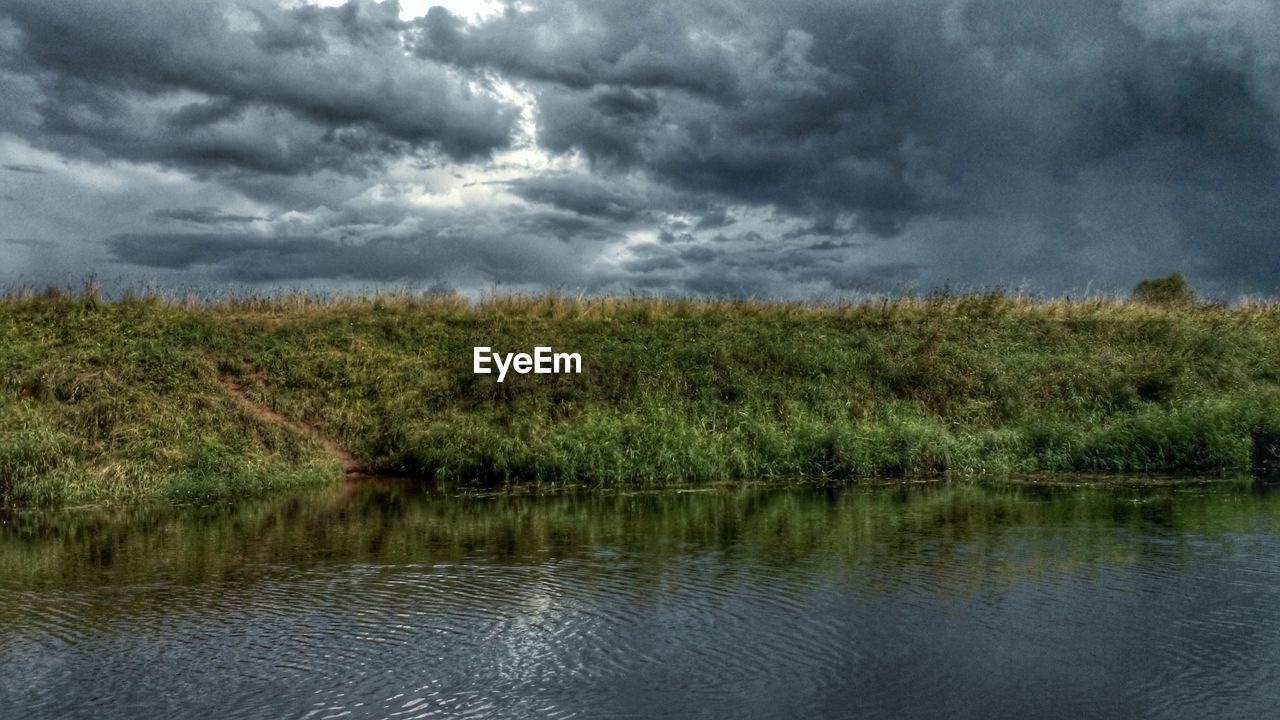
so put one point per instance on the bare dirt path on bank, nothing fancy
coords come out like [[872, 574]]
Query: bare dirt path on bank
[[350, 466]]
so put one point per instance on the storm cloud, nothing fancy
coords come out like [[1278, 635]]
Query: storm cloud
[[724, 147]]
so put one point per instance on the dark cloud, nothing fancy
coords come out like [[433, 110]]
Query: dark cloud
[[587, 44], [625, 102], [699, 254], [27, 242], [651, 264], [729, 146], [716, 218], [203, 216], [883, 114], [877, 279], [569, 120], [256, 258], [26, 169], [581, 194], [272, 89], [565, 227], [381, 245], [831, 245]]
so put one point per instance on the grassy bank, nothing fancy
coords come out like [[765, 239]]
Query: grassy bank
[[117, 400]]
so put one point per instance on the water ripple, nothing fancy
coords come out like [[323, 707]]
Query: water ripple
[[1037, 618]]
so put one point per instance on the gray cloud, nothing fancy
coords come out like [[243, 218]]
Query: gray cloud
[[580, 194], [27, 242], [628, 201], [382, 245], [583, 45], [203, 216], [887, 113], [728, 146], [249, 85]]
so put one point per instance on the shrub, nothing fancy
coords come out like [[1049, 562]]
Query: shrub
[[1171, 290]]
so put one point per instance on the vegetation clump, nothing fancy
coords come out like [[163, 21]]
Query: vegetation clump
[[1172, 290], [115, 400]]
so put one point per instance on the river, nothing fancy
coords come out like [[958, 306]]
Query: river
[[387, 600]]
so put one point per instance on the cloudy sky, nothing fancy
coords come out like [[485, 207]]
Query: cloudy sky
[[736, 147]]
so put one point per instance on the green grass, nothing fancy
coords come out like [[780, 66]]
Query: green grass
[[107, 401]]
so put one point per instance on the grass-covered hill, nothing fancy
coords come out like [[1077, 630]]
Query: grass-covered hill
[[104, 401]]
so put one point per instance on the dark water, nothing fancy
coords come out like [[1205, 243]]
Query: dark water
[[919, 601]]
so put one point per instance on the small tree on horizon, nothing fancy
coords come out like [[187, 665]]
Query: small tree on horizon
[[1171, 290]]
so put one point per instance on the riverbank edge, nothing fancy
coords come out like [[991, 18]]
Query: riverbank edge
[[146, 397]]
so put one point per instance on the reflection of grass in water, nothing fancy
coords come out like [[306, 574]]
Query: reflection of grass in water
[[947, 530], [102, 401]]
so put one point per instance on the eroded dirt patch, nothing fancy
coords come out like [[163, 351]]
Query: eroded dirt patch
[[232, 383]]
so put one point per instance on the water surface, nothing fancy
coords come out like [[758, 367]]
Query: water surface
[[386, 601]]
